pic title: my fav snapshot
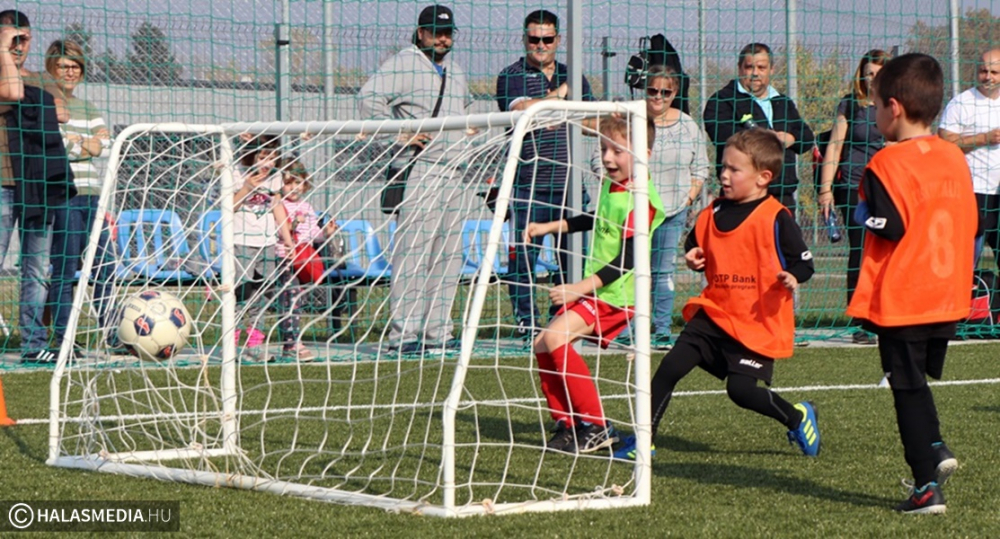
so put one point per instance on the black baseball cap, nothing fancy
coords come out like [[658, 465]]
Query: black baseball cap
[[436, 17]]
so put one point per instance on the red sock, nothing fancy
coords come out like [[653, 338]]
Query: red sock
[[552, 387], [585, 403]]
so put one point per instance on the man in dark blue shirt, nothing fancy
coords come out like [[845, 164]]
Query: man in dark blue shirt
[[541, 186]]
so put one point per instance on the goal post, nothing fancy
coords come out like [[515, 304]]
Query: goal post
[[358, 421]]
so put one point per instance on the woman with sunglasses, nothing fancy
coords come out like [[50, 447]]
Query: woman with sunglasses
[[678, 166]]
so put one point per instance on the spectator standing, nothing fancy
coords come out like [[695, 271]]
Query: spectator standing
[[853, 142], [540, 188], [750, 102], [972, 121], [422, 81], [86, 138], [34, 164]]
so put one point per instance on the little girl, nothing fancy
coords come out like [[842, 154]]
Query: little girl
[[303, 226], [257, 214]]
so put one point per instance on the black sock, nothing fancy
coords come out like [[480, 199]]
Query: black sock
[[743, 391], [917, 418], [680, 361]]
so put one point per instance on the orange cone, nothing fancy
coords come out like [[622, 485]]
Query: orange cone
[[5, 421]]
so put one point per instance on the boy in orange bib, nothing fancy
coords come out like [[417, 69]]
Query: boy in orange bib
[[754, 257], [919, 210]]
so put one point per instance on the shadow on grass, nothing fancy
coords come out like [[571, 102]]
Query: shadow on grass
[[30, 449], [993, 409], [757, 478]]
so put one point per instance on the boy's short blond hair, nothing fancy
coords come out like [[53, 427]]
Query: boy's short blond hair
[[765, 150], [617, 126]]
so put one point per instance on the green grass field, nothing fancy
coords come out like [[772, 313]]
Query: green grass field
[[720, 471]]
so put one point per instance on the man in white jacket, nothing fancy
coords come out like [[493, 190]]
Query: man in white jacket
[[421, 81], [972, 121]]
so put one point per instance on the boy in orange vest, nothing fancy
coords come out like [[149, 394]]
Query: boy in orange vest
[[919, 210], [754, 257]]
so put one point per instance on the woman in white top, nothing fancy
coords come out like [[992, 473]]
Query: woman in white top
[[678, 166]]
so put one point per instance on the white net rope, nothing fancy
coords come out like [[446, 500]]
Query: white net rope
[[357, 416]]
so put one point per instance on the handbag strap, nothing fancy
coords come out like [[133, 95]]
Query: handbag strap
[[437, 106]]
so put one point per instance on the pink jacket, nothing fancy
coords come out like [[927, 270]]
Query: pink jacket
[[305, 223]]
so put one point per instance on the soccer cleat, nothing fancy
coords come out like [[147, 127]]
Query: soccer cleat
[[806, 435], [564, 439], [627, 449], [925, 500], [946, 462], [591, 437]]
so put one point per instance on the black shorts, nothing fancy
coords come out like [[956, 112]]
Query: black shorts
[[908, 363], [722, 355]]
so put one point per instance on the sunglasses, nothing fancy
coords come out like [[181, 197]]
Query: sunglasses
[[535, 40], [665, 93]]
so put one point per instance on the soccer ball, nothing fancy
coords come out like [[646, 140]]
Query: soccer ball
[[154, 325]]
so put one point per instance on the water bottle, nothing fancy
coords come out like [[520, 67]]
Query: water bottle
[[833, 226], [749, 124]]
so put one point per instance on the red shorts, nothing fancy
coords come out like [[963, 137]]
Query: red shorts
[[608, 320]]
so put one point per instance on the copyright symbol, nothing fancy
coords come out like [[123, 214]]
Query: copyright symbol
[[21, 516]]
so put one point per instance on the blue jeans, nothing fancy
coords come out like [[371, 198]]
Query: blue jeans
[[70, 237], [36, 240], [662, 261], [534, 207]]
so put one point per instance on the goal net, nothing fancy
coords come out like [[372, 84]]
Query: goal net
[[399, 378]]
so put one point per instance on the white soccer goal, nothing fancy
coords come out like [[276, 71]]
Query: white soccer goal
[[436, 431]]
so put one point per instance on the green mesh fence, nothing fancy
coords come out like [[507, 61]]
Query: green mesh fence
[[216, 62]]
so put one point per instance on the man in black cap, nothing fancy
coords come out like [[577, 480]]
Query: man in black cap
[[423, 82]]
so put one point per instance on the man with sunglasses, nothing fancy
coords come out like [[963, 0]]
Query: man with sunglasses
[[750, 102], [540, 189], [422, 81]]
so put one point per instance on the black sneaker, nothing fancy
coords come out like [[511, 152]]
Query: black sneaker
[[927, 499], [591, 437], [564, 439], [946, 462], [412, 347], [864, 338], [661, 343], [39, 358]]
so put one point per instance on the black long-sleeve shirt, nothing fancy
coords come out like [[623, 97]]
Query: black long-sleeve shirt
[[620, 265], [795, 255]]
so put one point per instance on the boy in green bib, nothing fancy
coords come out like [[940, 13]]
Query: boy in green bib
[[601, 305]]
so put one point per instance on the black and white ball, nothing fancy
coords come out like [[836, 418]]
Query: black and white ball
[[154, 326]]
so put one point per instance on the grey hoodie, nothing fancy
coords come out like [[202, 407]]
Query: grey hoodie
[[407, 85]]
